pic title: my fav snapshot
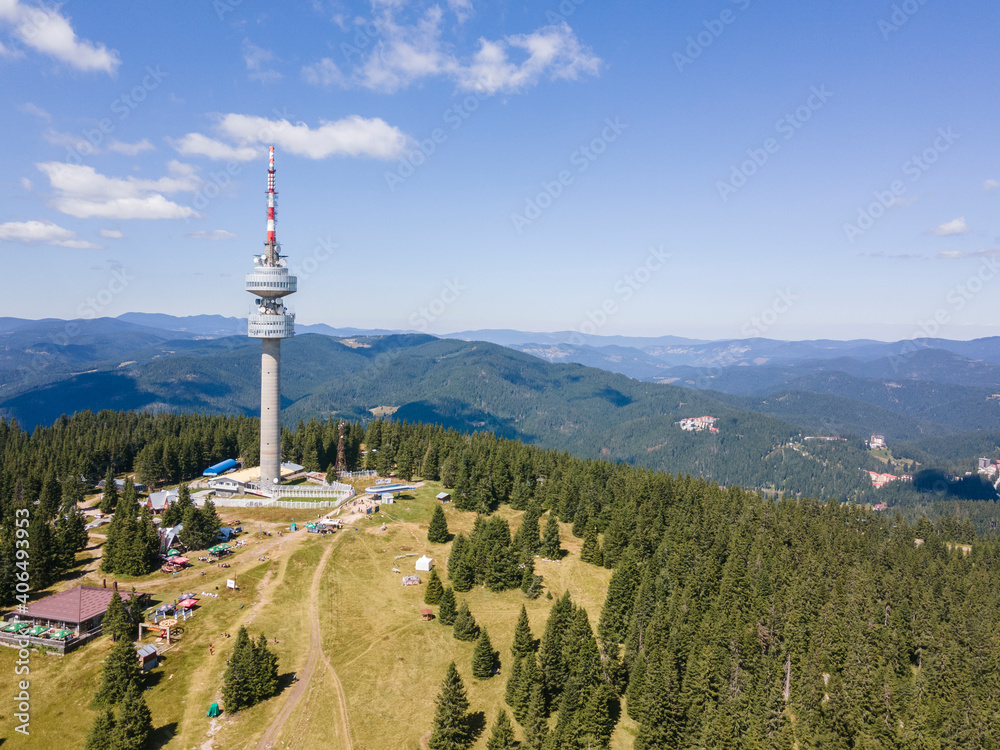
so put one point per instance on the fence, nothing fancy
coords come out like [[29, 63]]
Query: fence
[[63, 647], [252, 502]]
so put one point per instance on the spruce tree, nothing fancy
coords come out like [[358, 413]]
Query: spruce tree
[[135, 722], [591, 550], [553, 664], [484, 659], [102, 732], [617, 610], [524, 642], [447, 611], [120, 672], [530, 678], [238, 686], [109, 497], [437, 532], [461, 568], [465, 628], [513, 683], [550, 548], [435, 589], [117, 622], [635, 694], [536, 727], [661, 718], [450, 730], [502, 736], [264, 677]]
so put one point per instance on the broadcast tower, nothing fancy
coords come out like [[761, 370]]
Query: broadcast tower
[[270, 322]]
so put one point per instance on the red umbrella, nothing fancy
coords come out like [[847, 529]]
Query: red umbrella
[[187, 603]]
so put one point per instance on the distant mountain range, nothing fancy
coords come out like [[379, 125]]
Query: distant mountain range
[[615, 397]]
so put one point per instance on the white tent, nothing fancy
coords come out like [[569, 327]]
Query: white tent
[[425, 563]]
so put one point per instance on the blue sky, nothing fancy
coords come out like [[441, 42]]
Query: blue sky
[[714, 169]]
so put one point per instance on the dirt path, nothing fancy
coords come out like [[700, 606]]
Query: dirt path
[[315, 654]]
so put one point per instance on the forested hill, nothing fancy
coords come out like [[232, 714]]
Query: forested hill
[[730, 620], [465, 385]]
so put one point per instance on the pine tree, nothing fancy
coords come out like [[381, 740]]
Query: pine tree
[[437, 532], [465, 628], [617, 610], [550, 548], [502, 736], [451, 724], [116, 622], [661, 718], [484, 659], [109, 497], [524, 642], [120, 672], [435, 589], [102, 732], [135, 722], [447, 611], [173, 514], [595, 721], [591, 550], [635, 695]]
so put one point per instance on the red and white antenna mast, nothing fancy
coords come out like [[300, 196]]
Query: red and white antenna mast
[[272, 241]]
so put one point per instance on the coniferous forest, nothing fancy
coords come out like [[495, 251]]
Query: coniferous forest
[[731, 620]]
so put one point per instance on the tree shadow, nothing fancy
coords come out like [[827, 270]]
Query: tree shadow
[[476, 723], [161, 736], [285, 681]]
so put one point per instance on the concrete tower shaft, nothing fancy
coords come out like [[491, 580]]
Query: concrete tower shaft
[[270, 322]]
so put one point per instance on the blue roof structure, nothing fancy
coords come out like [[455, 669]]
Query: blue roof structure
[[220, 468]]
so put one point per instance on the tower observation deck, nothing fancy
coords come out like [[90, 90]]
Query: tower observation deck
[[270, 321]]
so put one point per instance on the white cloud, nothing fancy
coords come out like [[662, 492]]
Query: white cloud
[[214, 234], [27, 185], [36, 111], [130, 149], [949, 228], [83, 192], [406, 53], [256, 59], [324, 73], [43, 233], [45, 30], [112, 234], [70, 141], [461, 8], [991, 185], [196, 144], [350, 136], [957, 254], [903, 201]]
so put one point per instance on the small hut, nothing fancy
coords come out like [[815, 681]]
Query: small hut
[[444, 497], [426, 615], [425, 563], [149, 657]]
